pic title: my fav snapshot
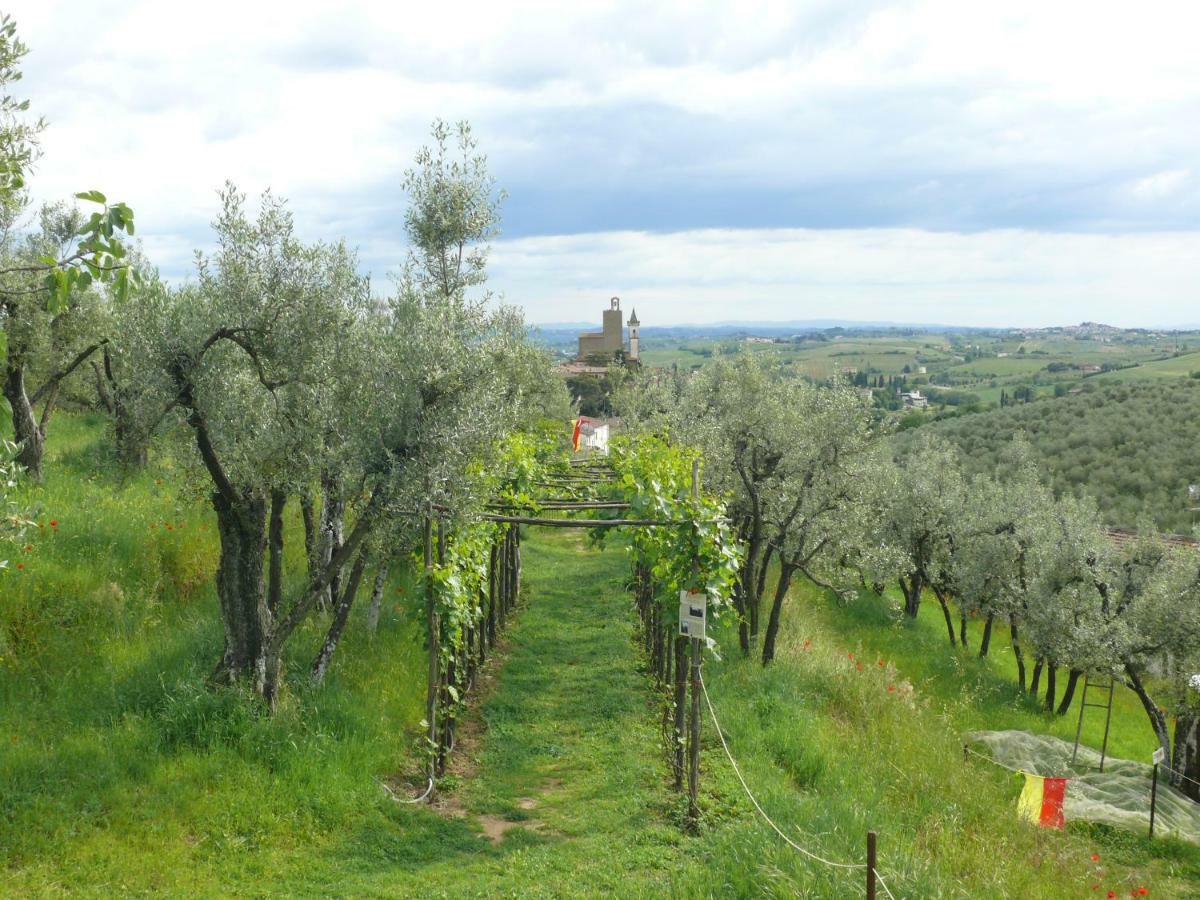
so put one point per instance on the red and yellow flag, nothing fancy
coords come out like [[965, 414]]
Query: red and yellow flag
[[575, 435], [1041, 800]]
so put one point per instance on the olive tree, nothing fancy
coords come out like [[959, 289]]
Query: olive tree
[[738, 413], [46, 273], [817, 510], [924, 510]]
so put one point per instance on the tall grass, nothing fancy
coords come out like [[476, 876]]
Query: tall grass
[[120, 768]]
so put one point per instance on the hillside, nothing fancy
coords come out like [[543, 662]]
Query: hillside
[[124, 773], [1132, 446]]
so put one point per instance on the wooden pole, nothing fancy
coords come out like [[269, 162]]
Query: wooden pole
[[431, 623], [681, 659], [451, 669], [574, 523], [870, 865], [1153, 797], [694, 730]]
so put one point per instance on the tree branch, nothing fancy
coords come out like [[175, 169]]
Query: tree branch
[[53, 380]]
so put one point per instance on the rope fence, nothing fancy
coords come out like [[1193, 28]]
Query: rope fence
[[749, 793]]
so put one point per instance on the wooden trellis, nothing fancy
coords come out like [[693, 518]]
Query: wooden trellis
[[502, 591]]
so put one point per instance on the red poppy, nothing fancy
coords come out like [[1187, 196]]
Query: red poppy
[[1095, 857], [20, 565], [28, 548], [859, 667], [881, 664], [891, 689], [1141, 891], [1111, 894], [54, 523]]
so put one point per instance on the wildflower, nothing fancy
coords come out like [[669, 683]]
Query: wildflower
[[54, 523], [1110, 895], [28, 548], [881, 664], [1095, 857], [167, 525], [891, 689], [20, 565], [859, 667], [850, 656], [1141, 891]]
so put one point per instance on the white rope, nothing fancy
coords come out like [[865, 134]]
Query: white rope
[[1167, 768], [392, 793], [883, 884], [737, 771], [996, 762]]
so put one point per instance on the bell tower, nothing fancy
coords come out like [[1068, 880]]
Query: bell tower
[[633, 335]]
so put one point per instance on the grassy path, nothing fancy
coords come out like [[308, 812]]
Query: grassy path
[[568, 781]]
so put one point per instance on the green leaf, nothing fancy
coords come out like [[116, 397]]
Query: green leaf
[[92, 196]]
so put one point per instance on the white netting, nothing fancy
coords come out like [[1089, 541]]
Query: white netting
[[1120, 795]]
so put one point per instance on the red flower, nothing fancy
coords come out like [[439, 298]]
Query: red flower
[[54, 523], [28, 548], [881, 664], [1141, 890], [1095, 857], [850, 656], [1110, 895], [859, 667], [20, 565], [891, 689]]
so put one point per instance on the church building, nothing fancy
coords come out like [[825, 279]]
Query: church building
[[611, 340]]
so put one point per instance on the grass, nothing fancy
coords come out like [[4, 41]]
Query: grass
[[1172, 367], [122, 773]]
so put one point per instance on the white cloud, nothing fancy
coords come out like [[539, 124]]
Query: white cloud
[[984, 278], [925, 117]]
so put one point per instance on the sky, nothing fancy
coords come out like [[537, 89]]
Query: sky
[[968, 163]]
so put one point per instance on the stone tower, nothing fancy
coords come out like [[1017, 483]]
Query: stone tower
[[633, 336]]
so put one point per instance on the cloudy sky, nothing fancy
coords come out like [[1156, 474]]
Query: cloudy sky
[[964, 162]]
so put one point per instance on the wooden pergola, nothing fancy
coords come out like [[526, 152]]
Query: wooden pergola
[[504, 582]]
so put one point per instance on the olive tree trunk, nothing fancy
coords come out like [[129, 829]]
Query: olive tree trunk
[[341, 615], [1186, 757], [25, 426], [242, 527]]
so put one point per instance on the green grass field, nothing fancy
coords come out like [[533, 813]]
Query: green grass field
[[1173, 367], [123, 774]]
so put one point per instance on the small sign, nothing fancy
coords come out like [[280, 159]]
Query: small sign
[[693, 606], [1158, 756]]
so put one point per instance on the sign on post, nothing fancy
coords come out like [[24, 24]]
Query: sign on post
[[692, 612], [1158, 757]]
